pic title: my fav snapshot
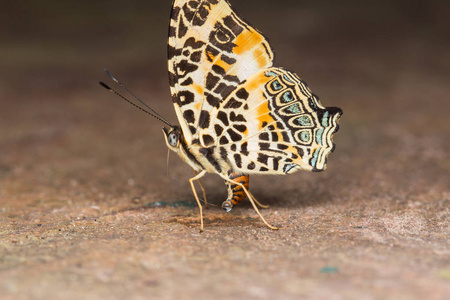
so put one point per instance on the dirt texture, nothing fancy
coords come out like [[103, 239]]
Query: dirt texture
[[87, 210]]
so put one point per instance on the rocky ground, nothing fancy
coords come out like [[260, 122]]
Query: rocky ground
[[87, 210]]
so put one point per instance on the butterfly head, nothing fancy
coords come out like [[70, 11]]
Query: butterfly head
[[173, 137]]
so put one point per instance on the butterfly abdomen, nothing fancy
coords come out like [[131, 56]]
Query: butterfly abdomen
[[236, 193]]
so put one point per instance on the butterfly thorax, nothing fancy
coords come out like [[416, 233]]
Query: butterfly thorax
[[196, 155]]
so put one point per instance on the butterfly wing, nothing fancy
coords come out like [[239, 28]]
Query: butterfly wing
[[273, 124], [210, 52]]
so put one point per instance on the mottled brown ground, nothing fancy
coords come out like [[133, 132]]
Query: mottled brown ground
[[86, 209]]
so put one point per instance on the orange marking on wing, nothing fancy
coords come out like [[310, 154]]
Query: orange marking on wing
[[223, 65], [257, 82], [198, 106], [246, 41], [198, 88], [210, 55], [263, 115], [260, 58], [297, 160]]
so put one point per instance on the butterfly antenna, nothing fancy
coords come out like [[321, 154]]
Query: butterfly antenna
[[158, 117], [134, 96]]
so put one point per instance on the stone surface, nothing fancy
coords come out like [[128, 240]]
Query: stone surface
[[86, 208]]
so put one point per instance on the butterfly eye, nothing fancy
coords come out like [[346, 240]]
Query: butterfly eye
[[173, 139]]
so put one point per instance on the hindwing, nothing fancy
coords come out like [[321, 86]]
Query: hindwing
[[272, 123], [210, 52]]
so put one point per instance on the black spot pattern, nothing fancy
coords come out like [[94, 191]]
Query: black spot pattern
[[172, 79], [212, 100], [232, 103], [237, 118], [222, 116], [242, 93], [264, 136], [222, 38], [285, 136], [218, 129], [172, 52], [234, 27], [184, 97], [188, 115], [234, 135], [229, 60], [184, 68], [240, 128], [238, 160], [196, 56], [264, 146], [211, 81], [274, 137], [262, 158], [223, 153], [300, 151], [276, 162], [211, 52], [204, 119], [244, 149], [207, 139], [223, 140], [187, 82], [182, 29], [193, 43], [224, 89]]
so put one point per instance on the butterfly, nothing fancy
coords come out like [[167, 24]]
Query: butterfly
[[238, 114]]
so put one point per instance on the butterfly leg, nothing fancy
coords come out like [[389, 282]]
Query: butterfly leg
[[257, 202], [235, 192], [191, 181], [203, 191], [247, 193]]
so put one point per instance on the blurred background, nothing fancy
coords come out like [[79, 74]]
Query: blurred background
[[70, 149], [77, 38], [381, 61]]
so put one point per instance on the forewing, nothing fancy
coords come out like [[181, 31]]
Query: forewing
[[211, 51], [273, 124]]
